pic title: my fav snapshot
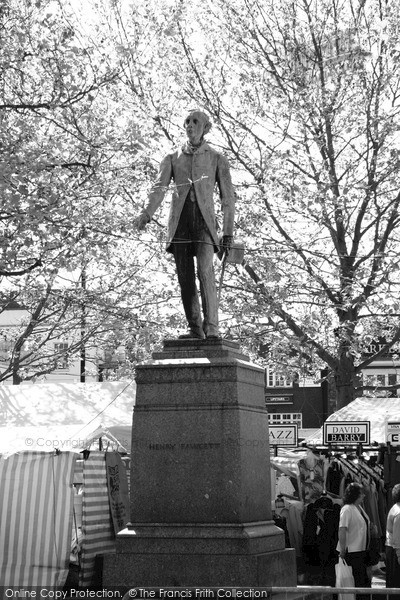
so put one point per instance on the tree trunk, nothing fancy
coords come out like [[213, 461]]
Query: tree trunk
[[345, 381], [16, 378]]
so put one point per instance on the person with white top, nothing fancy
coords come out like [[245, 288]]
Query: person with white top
[[393, 541], [353, 538]]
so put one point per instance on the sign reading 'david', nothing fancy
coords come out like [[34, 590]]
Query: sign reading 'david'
[[347, 432]]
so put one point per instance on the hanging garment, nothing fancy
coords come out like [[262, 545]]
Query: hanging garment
[[320, 536], [284, 486], [371, 505], [312, 476], [118, 495], [293, 513], [382, 506], [334, 478], [391, 469]]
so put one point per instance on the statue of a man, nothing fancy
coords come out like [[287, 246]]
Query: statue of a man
[[195, 168]]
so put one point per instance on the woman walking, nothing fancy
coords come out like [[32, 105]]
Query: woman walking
[[354, 527]]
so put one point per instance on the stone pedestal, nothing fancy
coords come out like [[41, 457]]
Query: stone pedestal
[[200, 476]]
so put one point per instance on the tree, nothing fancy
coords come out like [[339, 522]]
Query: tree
[[305, 95], [71, 167]]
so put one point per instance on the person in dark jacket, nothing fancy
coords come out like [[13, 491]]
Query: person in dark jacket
[[320, 536]]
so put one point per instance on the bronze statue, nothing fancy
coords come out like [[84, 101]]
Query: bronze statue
[[195, 168]]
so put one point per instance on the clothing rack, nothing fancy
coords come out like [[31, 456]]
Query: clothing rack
[[361, 469], [351, 467], [330, 449]]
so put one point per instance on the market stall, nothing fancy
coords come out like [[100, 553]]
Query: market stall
[[359, 443], [59, 508], [64, 481]]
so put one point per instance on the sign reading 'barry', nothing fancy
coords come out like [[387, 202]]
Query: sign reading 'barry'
[[347, 432]]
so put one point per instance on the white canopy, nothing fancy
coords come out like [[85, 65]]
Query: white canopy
[[72, 438], [375, 410], [288, 461], [67, 416]]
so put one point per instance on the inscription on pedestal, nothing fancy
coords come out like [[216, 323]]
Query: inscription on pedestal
[[187, 446]]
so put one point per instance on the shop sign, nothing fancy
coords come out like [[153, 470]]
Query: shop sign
[[346, 432], [377, 345], [283, 435], [279, 399], [393, 432]]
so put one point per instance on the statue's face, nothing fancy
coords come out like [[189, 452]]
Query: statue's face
[[194, 126]]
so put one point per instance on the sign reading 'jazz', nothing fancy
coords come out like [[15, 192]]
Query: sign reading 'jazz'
[[347, 432], [283, 435]]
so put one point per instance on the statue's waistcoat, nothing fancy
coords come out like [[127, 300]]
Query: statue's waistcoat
[[202, 169]]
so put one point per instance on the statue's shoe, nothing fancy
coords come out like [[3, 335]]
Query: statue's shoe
[[191, 335]]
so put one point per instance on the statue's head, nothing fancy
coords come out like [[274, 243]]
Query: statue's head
[[197, 125]]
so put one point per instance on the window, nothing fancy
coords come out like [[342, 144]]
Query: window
[[369, 380], [5, 349], [61, 348], [379, 380], [285, 418], [273, 379], [305, 381]]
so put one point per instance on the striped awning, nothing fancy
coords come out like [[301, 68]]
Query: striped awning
[[36, 502], [97, 527]]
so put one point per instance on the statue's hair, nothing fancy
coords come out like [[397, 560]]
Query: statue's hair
[[205, 117]]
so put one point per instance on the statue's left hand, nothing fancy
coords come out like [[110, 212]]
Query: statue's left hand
[[141, 221], [226, 244]]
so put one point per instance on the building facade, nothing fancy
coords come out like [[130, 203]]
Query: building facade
[[382, 376], [67, 370], [300, 401]]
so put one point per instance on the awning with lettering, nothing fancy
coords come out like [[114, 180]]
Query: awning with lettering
[[375, 410]]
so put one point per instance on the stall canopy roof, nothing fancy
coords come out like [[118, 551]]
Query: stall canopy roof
[[288, 461], [67, 438], [375, 410], [67, 416]]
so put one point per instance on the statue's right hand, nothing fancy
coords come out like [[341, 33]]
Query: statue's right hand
[[141, 221]]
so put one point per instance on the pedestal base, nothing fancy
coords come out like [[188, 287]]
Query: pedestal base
[[200, 478], [197, 561]]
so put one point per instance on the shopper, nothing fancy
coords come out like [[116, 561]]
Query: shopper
[[393, 541], [354, 527]]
